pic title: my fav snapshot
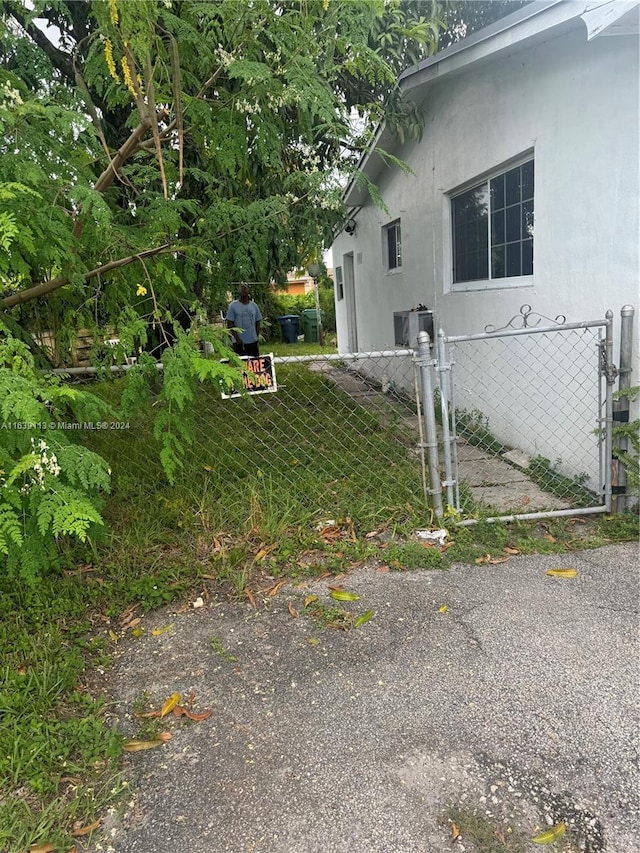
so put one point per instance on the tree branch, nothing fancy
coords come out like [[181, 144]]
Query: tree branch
[[109, 175], [59, 59], [60, 280]]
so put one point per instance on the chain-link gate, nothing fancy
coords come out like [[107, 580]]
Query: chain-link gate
[[526, 415]]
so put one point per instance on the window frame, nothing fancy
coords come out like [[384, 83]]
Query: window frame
[[392, 227], [339, 282], [477, 183]]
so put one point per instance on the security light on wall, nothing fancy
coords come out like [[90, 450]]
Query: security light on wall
[[350, 227]]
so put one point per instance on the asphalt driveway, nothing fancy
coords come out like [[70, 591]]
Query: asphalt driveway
[[516, 703]]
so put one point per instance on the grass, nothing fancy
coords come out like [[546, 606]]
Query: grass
[[491, 835], [292, 485], [301, 348]]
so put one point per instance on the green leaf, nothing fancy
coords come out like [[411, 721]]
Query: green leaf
[[550, 835]]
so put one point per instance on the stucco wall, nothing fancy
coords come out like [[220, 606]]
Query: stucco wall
[[575, 106]]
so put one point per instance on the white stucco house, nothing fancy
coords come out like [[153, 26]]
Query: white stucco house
[[524, 187]]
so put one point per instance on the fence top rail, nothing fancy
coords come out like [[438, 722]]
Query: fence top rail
[[278, 359], [347, 356], [529, 330]]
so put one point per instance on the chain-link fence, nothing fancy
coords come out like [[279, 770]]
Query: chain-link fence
[[340, 438], [523, 429], [528, 405]]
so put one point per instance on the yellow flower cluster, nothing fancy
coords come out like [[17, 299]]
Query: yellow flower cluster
[[141, 291], [111, 65], [126, 73], [113, 12]]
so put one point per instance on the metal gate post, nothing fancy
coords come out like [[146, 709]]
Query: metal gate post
[[443, 367], [621, 406], [425, 362], [610, 378]]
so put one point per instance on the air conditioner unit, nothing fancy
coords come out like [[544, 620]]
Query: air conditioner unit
[[407, 324]]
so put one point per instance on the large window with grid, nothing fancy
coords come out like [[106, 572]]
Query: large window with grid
[[392, 239], [493, 227]]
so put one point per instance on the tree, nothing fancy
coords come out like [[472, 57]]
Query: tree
[[185, 143], [155, 152], [464, 17]]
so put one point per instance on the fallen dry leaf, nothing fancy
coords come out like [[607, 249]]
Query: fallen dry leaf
[[250, 596], [113, 636], [364, 618], [127, 615], [139, 745], [343, 595], [382, 569], [562, 573], [508, 550], [292, 611], [83, 570], [42, 848], [443, 608], [485, 559], [455, 832], [181, 711], [550, 538], [549, 836], [79, 831], [495, 561], [169, 704], [275, 589], [147, 715], [310, 599], [158, 631]]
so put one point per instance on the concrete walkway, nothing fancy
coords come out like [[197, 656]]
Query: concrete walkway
[[500, 483], [516, 708]]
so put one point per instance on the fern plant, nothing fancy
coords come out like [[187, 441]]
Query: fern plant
[[184, 366], [50, 485]]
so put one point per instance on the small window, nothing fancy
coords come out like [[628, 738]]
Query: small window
[[339, 284], [493, 227], [393, 246]]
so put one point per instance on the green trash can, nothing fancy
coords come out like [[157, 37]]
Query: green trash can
[[310, 325]]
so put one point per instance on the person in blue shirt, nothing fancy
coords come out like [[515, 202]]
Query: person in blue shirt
[[243, 319]]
